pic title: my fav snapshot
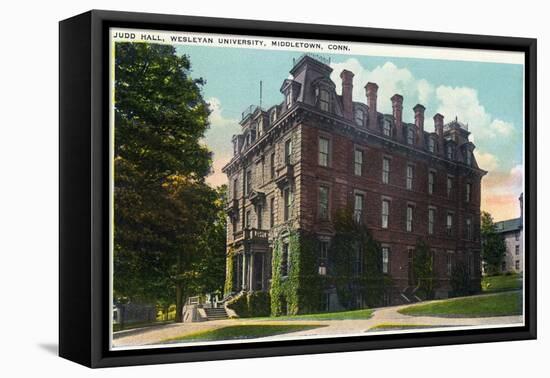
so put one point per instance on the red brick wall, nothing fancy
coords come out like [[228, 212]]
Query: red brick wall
[[340, 178]]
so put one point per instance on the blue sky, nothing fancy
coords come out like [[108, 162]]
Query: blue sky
[[487, 96]]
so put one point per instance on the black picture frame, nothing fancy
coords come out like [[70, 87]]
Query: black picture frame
[[84, 189]]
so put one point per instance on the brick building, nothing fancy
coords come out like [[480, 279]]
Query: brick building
[[297, 163], [512, 232]]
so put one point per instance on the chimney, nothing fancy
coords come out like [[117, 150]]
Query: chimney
[[419, 122], [372, 90], [397, 105], [347, 90], [438, 124]]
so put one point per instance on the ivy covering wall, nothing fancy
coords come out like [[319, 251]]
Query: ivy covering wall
[[356, 260], [229, 261], [300, 291]]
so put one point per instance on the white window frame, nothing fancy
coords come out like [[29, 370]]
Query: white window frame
[[410, 176], [324, 156], [385, 213], [386, 170], [358, 156], [409, 218]]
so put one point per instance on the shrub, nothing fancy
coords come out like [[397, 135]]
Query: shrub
[[248, 305]]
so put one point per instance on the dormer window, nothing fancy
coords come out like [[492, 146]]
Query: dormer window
[[235, 147], [468, 157], [386, 129], [410, 135], [431, 145], [450, 152], [324, 100], [359, 117], [273, 116], [288, 98]]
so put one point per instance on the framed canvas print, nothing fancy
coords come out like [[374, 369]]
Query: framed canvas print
[[234, 188]]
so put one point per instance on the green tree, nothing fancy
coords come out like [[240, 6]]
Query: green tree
[[162, 205], [356, 262], [493, 246], [423, 267]]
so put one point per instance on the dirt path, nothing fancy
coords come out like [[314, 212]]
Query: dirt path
[[385, 315]]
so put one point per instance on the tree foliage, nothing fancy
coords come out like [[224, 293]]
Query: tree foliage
[[423, 266], [356, 263], [169, 228], [493, 246]]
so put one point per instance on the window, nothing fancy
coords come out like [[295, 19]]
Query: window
[[503, 266], [471, 265], [450, 152], [259, 210], [410, 135], [285, 262], [431, 145], [288, 151], [409, 218], [431, 220], [386, 171], [469, 228], [248, 184], [359, 117], [235, 188], [358, 162], [449, 224], [517, 264], [324, 100], [387, 128], [272, 212], [431, 182], [517, 250], [449, 262], [288, 202], [288, 98], [357, 261], [323, 257], [468, 192], [517, 235], [272, 167], [385, 260], [247, 219], [449, 186], [263, 170], [410, 174], [468, 157], [385, 213], [358, 208], [323, 151], [323, 202]]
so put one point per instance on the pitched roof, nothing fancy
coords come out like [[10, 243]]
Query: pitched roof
[[509, 225]]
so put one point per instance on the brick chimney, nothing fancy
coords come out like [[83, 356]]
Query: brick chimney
[[347, 90], [438, 124], [419, 122], [372, 94], [397, 105]]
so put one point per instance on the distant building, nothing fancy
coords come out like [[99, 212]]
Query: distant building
[[512, 230], [297, 163]]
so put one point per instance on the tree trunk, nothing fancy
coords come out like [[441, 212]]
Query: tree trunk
[[179, 302]]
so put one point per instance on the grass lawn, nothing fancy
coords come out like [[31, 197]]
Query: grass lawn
[[340, 315], [237, 332], [503, 282], [501, 304], [398, 327]]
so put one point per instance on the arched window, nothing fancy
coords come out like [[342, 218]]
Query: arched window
[[359, 117], [386, 129]]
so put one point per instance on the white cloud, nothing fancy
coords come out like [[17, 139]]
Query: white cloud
[[390, 79], [218, 140], [463, 102], [486, 161]]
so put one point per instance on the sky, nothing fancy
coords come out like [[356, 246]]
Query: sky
[[486, 96]]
